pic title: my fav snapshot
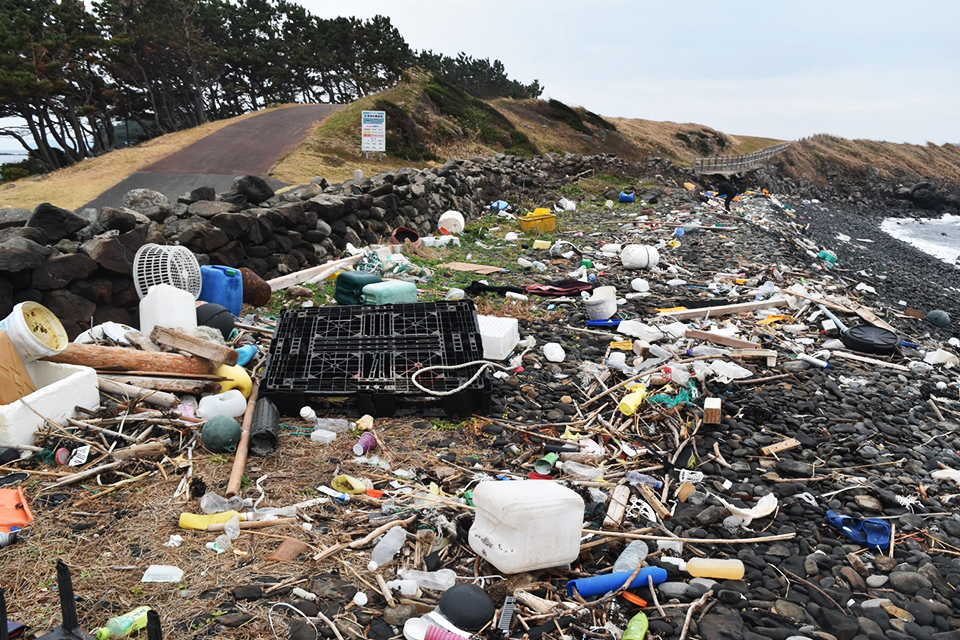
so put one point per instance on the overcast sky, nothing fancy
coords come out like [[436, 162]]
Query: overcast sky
[[876, 69]]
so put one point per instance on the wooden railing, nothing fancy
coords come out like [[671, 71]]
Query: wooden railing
[[726, 164]]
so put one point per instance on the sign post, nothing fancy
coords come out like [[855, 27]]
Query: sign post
[[373, 131]]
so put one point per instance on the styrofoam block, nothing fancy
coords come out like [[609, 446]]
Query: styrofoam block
[[60, 388], [499, 336]]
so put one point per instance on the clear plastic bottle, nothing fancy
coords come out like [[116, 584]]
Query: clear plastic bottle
[[214, 503], [635, 478], [437, 580], [581, 471], [337, 425], [125, 625], [631, 557], [389, 546], [716, 568]]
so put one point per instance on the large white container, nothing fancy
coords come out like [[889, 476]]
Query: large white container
[[167, 306], [499, 336], [60, 389], [229, 403], [526, 524]]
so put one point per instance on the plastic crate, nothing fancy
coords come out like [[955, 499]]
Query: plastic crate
[[364, 356], [542, 222]]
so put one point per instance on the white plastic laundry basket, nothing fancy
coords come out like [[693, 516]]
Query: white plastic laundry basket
[[166, 264]]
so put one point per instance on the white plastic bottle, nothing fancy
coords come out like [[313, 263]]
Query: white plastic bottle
[[389, 546], [437, 580]]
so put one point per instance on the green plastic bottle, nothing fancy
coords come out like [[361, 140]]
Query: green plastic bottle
[[636, 628], [125, 625]]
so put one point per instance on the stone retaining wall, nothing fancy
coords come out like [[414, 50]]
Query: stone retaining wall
[[80, 264]]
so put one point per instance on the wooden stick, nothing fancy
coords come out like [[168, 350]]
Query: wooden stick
[[253, 524], [158, 447], [150, 396], [129, 359], [696, 605], [300, 277], [171, 385], [639, 536], [880, 363], [385, 590], [113, 487], [82, 475], [722, 310], [370, 537], [20, 447], [240, 460], [726, 341], [85, 425]]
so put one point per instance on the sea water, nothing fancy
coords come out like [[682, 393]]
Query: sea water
[[938, 237]]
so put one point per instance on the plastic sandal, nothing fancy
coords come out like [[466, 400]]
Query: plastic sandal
[[877, 533], [850, 527]]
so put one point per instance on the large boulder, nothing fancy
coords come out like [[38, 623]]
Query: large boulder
[[115, 251], [56, 223], [6, 297], [210, 208], [69, 307], [60, 271], [13, 217], [203, 237], [200, 193], [20, 254], [122, 220], [145, 198], [254, 188]]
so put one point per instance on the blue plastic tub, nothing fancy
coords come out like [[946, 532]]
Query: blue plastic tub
[[223, 286]]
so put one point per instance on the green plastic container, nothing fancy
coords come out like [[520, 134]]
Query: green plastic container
[[350, 286], [389, 292]]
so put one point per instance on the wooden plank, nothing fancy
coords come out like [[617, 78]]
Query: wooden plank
[[769, 354], [150, 396], [647, 492], [712, 412], [618, 506], [90, 355], [726, 341], [180, 341], [783, 445], [140, 340], [299, 277], [880, 363], [726, 309]]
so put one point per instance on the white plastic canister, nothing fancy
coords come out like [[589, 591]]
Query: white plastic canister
[[167, 306], [526, 524], [35, 331]]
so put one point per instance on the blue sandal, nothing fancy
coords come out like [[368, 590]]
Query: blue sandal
[[870, 531]]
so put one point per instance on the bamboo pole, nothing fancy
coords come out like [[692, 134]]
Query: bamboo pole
[[240, 460]]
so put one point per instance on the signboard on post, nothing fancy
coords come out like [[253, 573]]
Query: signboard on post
[[373, 131]]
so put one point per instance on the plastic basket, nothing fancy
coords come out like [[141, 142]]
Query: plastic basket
[[166, 264], [542, 222]]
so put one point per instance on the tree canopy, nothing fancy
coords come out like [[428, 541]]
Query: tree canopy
[[81, 81]]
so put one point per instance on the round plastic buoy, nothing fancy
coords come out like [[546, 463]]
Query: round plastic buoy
[[467, 606], [638, 256], [221, 434], [216, 316], [938, 318]]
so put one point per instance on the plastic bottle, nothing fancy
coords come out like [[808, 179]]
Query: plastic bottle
[[637, 627], [676, 374], [628, 405], [523, 262], [213, 503], [389, 546], [337, 425], [539, 266], [716, 568], [631, 557], [635, 478], [125, 625], [581, 471], [437, 580]]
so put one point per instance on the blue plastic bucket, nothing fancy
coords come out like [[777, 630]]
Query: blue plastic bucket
[[627, 197], [223, 286]]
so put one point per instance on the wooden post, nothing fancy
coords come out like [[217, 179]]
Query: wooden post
[[240, 460], [180, 341], [122, 359]]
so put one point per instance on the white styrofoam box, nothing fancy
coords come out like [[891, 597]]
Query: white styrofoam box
[[499, 336], [60, 388]]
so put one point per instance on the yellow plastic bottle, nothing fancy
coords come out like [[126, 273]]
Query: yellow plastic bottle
[[716, 568], [200, 521], [630, 402]]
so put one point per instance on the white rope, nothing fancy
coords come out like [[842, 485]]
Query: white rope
[[484, 364], [301, 613]]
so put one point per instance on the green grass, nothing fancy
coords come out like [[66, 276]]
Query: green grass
[[556, 110]]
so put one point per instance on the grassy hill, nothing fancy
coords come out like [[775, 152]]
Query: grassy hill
[[429, 121]]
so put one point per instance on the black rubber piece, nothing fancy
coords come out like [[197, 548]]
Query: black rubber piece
[[869, 339]]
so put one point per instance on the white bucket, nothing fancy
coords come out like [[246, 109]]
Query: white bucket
[[602, 304], [452, 222], [35, 331]]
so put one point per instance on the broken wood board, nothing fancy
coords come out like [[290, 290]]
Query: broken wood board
[[180, 341], [768, 354], [861, 311], [618, 507], [880, 363], [777, 447], [715, 338], [725, 309], [647, 492], [469, 267]]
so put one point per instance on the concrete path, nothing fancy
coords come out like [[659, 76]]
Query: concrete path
[[248, 147]]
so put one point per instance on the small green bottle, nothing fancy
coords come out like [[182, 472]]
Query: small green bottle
[[125, 625], [637, 627]]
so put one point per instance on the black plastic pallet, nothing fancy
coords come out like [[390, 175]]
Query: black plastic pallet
[[364, 356]]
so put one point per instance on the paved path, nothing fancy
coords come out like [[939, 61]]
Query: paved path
[[249, 147]]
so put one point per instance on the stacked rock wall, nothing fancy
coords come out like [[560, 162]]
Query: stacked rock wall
[[80, 265]]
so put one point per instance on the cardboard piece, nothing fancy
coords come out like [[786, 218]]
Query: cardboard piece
[[15, 380]]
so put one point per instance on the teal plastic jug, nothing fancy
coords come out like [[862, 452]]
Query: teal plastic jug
[[350, 286]]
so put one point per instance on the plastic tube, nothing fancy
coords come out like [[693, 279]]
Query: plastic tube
[[597, 585], [823, 364]]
